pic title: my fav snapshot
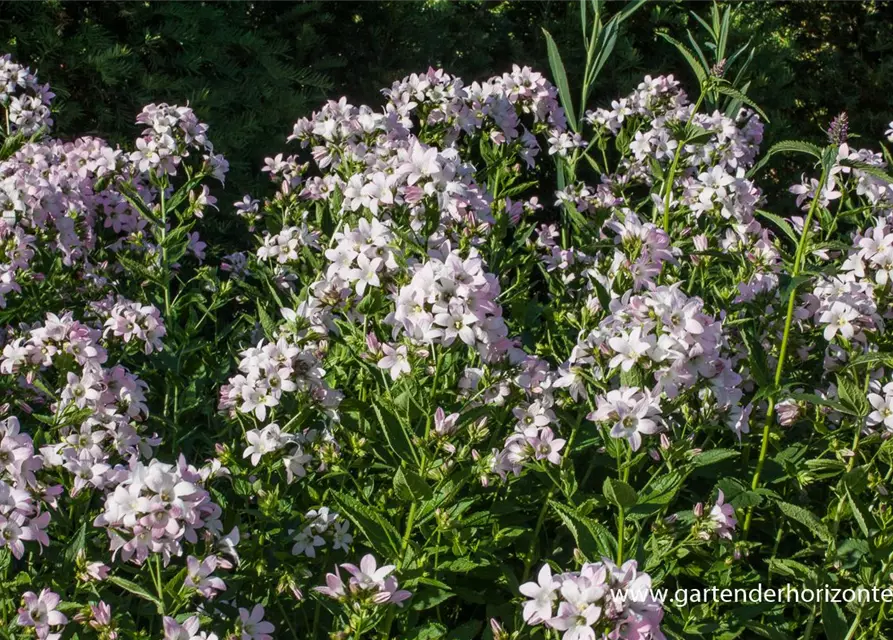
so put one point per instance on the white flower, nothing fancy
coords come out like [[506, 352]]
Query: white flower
[[395, 360]]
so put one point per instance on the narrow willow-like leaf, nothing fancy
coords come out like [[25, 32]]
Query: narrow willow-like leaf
[[697, 67], [560, 75]]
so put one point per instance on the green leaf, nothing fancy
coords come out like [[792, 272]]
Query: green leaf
[[732, 92], [662, 492], [410, 487], [876, 359], [593, 539], [852, 396], [136, 590], [791, 568], [806, 518], [834, 622], [787, 146], [619, 493], [713, 456], [380, 533], [604, 298], [560, 76], [813, 398], [877, 172], [757, 361], [428, 598], [399, 439], [428, 631], [782, 224], [462, 565], [697, 67], [469, 630], [77, 544], [628, 9], [266, 322], [863, 516]]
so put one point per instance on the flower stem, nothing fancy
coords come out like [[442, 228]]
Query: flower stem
[[779, 367], [671, 176]]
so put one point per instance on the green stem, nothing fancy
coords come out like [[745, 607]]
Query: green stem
[[621, 526], [528, 561], [410, 522], [779, 367], [852, 632], [157, 578], [671, 176]]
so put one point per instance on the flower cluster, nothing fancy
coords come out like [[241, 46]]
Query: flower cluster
[[361, 259], [285, 246], [21, 516], [666, 335], [171, 132], [630, 412], [368, 584], [321, 526], [719, 522], [450, 299], [494, 108], [268, 371], [158, 507], [600, 600], [25, 102], [134, 321]]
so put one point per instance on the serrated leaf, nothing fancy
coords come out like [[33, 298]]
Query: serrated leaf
[[77, 544], [782, 224], [878, 359], [820, 401], [593, 539], [428, 598], [266, 322], [396, 435], [877, 172], [806, 518], [428, 631], [380, 533], [467, 631], [852, 396], [410, 486], [863, 516], [619, 493], [694, 63], [833, 621], [791, 568], [787, 146], [713, 456], [604, 298], [757, 361], [732, 92]]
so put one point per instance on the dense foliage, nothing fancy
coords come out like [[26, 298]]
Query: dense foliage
[[493, 360]]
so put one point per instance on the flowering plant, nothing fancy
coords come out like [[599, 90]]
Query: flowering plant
[[489, 367]]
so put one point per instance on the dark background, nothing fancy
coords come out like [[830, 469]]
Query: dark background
[[250, 69]]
